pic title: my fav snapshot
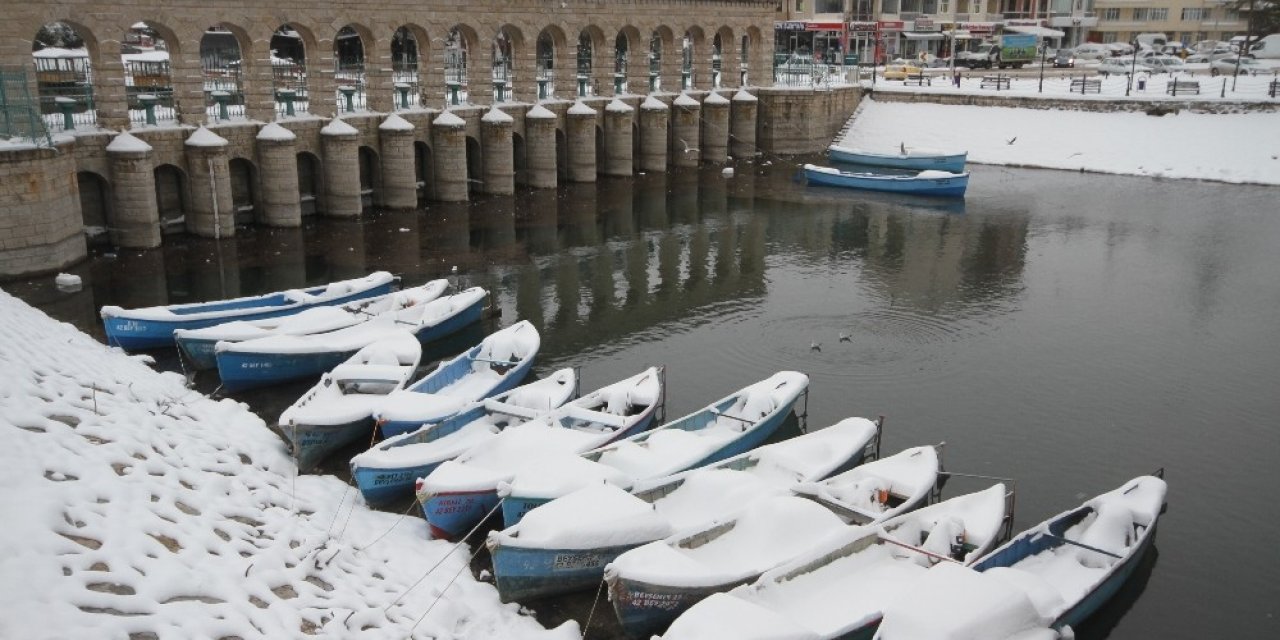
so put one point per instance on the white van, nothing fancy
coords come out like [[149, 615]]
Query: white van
[[1154, 41], [1267, 47]]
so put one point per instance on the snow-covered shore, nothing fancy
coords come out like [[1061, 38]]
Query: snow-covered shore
[[136, 506], [1239, 148]]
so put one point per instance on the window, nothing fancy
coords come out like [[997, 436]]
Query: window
[[889, 6], [929, 6], [1158, 15], [944, 6], [1193, 14], [1231, 15], [1111, 14], [1109, 36], [1140, 15], [911, 6], [828, 6], [799, 6]]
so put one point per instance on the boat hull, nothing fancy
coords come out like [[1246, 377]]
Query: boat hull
[[199, 353], [242, 370], [1102, 593], [522, 573], [940, 187], [646, 609], [953, 163], [381, 486], [451, 515], [396, 427], [137, 333], [312, 443]]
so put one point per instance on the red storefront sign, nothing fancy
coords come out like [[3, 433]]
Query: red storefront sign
[[978, 28], [891, 25], [862, 27], [824, 26]]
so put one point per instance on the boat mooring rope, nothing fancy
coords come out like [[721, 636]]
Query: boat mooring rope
[[594, 602], [446, 557]]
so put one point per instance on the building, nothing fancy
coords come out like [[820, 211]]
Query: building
[[1185, 21]]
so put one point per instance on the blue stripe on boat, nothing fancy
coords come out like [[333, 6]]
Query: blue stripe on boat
[[953, 163], [522, 573], [943, 186]]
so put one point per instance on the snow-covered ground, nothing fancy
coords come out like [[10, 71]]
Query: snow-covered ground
[[1241, 148], [135, 507]]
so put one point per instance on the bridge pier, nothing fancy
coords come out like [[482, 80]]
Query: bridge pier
[[449, 143], [399, 177], [686, 129], [742, 125], [281, 204], [715, 128], [581, 136], [654, 116], [135, 220], [618, 139], [341, 144], [211, 211], [540, 147], [496, 150]]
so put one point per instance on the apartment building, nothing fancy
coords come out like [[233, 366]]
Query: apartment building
[[1186, 21], [886, 29]]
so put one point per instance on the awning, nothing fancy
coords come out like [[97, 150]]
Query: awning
[[1035, 30], [958, 35], [931, 35]]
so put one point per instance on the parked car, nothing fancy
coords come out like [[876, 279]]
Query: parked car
[[1120, 67], [1216, 53], [1119, 48], [1092, 51], [1064, 58], [900, 71], [1163, 64], [1227, 66]]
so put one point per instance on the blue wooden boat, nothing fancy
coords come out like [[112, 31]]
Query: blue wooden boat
[[275, 359], [152, 327], [727, 427], [387, 471], [565, 544], [196, 346], [460, 493], [913, 159], [338, 410], [861, 567], [1072, 563], [880, 490], [925, 183], [495, 365]]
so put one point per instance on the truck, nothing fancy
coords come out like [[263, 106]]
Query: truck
[[1009, 50]]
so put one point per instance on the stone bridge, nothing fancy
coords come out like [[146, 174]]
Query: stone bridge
[[250, 112]]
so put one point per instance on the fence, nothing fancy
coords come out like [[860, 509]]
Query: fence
[[19, 112]]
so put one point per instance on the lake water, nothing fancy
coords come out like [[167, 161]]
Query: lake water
[[1069, 331]]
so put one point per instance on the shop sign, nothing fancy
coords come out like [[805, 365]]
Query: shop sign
[[824, 26], [862, 27], [978, 28], [891, 25], [1023, 23], [924, 24], [793, 25]]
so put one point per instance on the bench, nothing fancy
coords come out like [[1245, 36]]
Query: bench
[[918, 79], [1085, 85], [1182, 86], [996, 82]]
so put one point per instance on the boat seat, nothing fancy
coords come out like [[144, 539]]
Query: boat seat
[[618, 403], [946, 536], [747, 411], [297, 295], [510, 409], [586, 415], [1111, 530]]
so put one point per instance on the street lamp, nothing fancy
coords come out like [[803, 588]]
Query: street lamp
[[1044, 50], [1133, 68]]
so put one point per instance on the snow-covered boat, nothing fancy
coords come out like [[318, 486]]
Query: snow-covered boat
[[955, 602], [1074, 562], [916, 159], [338, 410], [387, 471], [196, 345], [565, 544], [731, 425], [835, 584], [925, 183], [275, 359], [497, 364], [460, 493], [151, 327], [877, 491]]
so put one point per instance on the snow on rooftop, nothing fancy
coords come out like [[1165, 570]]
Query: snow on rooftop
[[617, 106], [539, 112], [203, 137], [715, 98], [1237, 147], [395, 123], [497, 116], [337, 127], [134, 505], [653, 104], [449, 119], [743, 96], [273, 131], [580, 108], [683, 100], [127, 143]]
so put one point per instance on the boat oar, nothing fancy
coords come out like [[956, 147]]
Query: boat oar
[[1082, 545], [720, 414]]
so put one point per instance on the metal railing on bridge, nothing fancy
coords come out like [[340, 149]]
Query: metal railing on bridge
[[20, 117]]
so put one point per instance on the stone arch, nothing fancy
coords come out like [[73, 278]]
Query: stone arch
[[350, 44], [171, 196], [423, 161], [475, 166], [664, 58], [148, 50], [63, 54], [410, 47], [724, 56], [95, 206], [310, 182], [508, 60], [225, 69], [695, 59], [629, 57], [593, 60], [752, 57], [243, 174], [291, 48], [461, 44], [370, 176], [550, 51]]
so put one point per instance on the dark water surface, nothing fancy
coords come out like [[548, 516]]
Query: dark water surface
[[1070, 331]]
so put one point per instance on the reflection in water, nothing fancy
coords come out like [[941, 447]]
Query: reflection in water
[[1067, 330]]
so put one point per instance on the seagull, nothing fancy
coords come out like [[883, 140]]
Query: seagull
[[1011, 140], [686, 145], [903, 146], [815, 346], [844, 337]]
